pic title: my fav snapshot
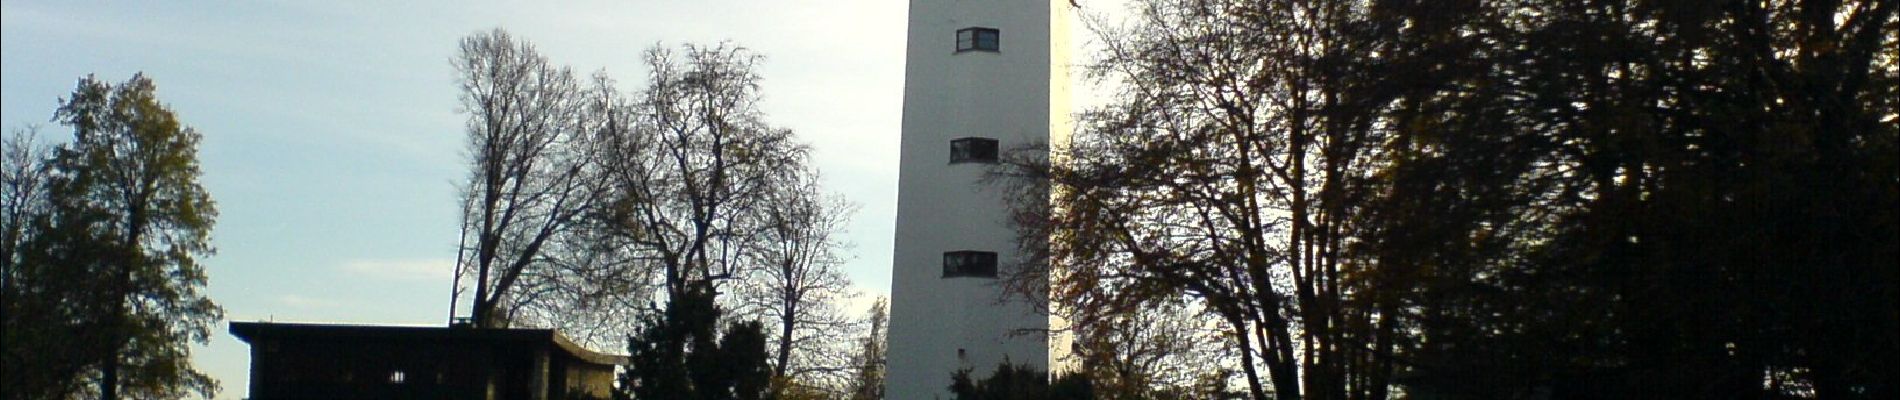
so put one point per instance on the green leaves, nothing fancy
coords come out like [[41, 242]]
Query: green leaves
[[107, 279]]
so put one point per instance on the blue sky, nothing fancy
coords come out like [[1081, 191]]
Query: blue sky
[[332, 143]]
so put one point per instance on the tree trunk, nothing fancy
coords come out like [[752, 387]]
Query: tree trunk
[[786, 322]]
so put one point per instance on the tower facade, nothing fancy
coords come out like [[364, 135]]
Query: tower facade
[[980, 77]]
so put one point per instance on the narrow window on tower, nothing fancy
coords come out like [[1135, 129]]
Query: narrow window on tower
[[981, 264], [978, 39], [972, 150]]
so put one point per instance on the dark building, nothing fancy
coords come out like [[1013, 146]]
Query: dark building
[[326, 361]]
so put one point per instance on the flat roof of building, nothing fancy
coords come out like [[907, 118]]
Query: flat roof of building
[[248, 331]]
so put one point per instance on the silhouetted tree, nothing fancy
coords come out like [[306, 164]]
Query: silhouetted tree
[[1496, 199], [47, 296], [697, 165], [531, 174], [23, 187], [1624, 199], [583, 201], [1222, 176], [102, 244], [704, 190], [796, 285]]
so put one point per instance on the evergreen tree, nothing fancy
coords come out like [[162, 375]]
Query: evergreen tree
[[1021, 382], [678, 354]]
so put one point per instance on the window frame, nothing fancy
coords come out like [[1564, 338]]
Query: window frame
[[971, 149], [971, 39], [969, 264]]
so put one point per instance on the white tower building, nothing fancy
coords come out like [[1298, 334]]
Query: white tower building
[[980, 77]]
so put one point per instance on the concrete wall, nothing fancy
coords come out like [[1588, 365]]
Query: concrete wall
[[1006, 95]]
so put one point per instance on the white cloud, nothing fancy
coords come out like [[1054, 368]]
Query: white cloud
[[418, 269]]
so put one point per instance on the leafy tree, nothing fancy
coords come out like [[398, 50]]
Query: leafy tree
[[56, 315], [102, 273]]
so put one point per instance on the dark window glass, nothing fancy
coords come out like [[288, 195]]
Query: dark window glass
[[969, 263], [984, 39], [973, 149]]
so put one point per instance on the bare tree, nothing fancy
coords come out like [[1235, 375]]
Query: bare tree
[[583, 201], [23, 184], [696, 169], [707, 195], [795, 283], [529, 173], [1217, 179], [594, 284]]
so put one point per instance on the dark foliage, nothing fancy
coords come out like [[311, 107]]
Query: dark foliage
[[678, 354], [1499, 199], [103, 240], [1021, 382], [1639, 199]]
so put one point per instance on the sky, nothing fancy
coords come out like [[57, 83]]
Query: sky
[[332, 142]]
